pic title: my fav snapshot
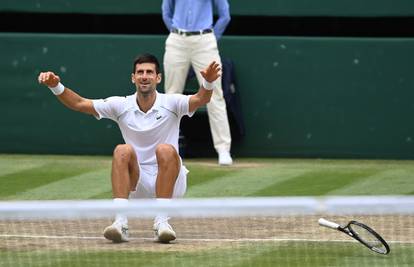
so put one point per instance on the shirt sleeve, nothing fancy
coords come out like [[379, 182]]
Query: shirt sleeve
[[182, 103], [109, 108], [223, 12], [167, 13]]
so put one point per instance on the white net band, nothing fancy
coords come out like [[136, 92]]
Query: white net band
[[216, 207]]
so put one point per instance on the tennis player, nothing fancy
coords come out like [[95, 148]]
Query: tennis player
[[148, 164]]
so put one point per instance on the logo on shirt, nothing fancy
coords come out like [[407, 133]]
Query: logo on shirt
[[158, 116]]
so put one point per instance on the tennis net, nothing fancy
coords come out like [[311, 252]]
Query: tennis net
[[210, 232]]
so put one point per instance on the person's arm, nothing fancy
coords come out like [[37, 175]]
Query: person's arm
[[203, 96], [65, 95], [223, 12], [167, 8]]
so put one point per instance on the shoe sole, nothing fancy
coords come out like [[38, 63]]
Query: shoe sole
[[166, 236], [111, 233]]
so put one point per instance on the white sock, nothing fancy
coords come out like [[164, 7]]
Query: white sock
[[162, 217], [120, 217]]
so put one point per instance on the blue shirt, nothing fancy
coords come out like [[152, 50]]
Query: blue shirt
[[195, 15]]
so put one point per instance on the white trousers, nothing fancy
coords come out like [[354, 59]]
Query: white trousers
[[199, 51]]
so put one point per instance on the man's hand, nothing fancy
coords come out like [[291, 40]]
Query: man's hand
[[49, 79], [211, 73]]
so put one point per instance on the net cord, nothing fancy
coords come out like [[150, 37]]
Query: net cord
[[209, 207]]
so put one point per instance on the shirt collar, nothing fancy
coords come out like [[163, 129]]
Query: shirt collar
[[155, 107]]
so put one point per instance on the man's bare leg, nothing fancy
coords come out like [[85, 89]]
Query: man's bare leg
[[125, 172], [169, 165], [168, 168]]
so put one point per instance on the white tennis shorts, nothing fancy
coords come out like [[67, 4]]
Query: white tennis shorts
[[147, 178]]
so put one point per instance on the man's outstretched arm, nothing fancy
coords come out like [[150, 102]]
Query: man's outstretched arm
[[65, 95], [203, 96]]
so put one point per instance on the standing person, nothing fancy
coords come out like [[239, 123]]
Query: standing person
[[193, 40], [148, 164]]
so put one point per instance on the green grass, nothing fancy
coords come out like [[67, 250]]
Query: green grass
[[29, 177], [54, 177], [88, 177], [307, 254]]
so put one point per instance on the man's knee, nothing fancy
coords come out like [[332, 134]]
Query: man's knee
[[166, 153], [123, 152]]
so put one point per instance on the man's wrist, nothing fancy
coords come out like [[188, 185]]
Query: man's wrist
[[208, 85], [58, 89]]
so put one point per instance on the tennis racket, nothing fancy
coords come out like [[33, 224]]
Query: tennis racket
[[362, 233]]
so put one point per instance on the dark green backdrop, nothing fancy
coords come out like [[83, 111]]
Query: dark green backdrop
[[238, 7], [317, 97]]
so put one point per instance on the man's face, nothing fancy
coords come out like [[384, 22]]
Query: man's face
[[146, 78]]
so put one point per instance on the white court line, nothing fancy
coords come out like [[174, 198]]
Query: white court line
[[203, 239]]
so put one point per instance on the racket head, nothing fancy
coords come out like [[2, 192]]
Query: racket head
[[367, 236]]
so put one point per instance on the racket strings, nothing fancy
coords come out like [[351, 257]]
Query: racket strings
[[368, 237]]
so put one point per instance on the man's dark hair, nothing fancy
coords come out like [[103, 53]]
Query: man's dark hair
[[146, 58]]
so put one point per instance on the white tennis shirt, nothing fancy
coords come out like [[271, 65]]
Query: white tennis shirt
[[144, 131]]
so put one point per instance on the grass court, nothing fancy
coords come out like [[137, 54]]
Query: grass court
[[49, 177]]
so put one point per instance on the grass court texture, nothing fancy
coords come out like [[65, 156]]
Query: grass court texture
[[247, 241]]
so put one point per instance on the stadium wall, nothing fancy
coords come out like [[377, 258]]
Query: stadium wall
[[300, 96], [364, 8]]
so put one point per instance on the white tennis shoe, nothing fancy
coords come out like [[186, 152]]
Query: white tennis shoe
[[164, 232], [225, 158], [116, 232]]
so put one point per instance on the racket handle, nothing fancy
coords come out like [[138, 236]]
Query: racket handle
[[328, 224]]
